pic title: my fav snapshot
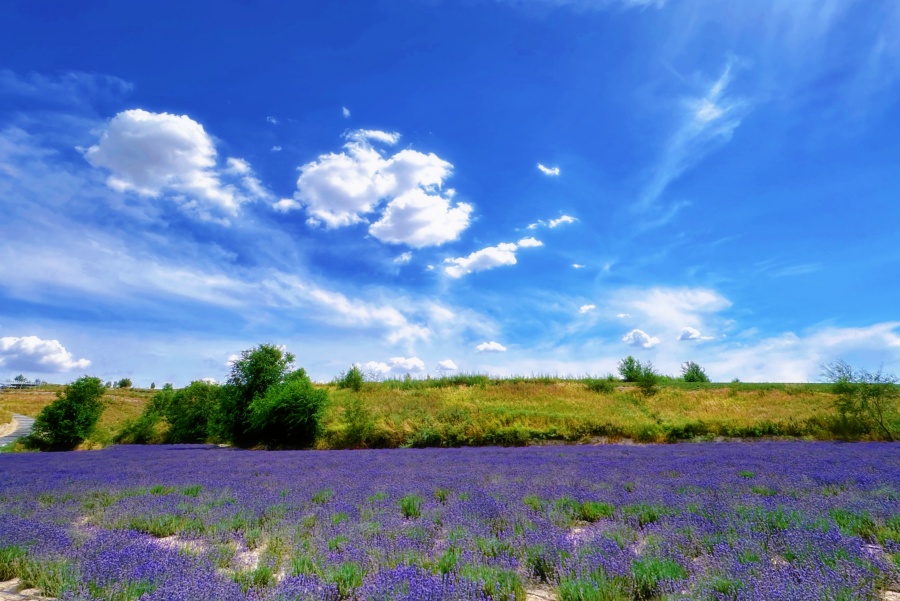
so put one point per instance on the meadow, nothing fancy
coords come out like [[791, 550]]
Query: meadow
[[762, 520]]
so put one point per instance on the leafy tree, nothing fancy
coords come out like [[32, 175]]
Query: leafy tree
[[863, 396], [189, 412], [20, 378], [289, 414], [691, 372], [252, 374], [71, 418], [124, 383], [352, 379], [630, 369], [152, 385]]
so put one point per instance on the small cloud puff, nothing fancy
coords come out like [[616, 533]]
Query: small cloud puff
[[529, 243], [30, 353], [395, 365], [623, 315], [345, 112], [586, 308], [272, 120], [553, 223], [447, 365], [490, 347], [688, 333], [578, 266], [276, 148], [640, 339], [548, 170], [403, 259]]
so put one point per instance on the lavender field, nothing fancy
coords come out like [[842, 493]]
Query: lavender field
[[779, 520]]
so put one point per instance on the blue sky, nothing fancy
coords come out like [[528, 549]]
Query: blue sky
[[426, 187]]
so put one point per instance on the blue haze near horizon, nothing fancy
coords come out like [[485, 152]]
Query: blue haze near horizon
[[504, 187]]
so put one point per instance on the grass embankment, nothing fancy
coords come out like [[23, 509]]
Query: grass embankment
[[511, 412], [5, 416], [122, 405], [476, 410]]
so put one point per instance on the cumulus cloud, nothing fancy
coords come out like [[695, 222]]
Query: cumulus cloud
[[529, 243], [405, 189], [156, 154], [688, 334], [640, 338], [403, 259], [490, 347], [30, 353], [586, 308], [488, 258], [578, 266], [548, 170], [394, 366], [447, 365]]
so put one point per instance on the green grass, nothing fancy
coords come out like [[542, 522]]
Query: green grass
[[476, 410]]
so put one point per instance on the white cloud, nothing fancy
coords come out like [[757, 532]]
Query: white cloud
[[640, 338], [156, 154], [276, 148], [586, 308], [561, 221], [529, 243], [480, 260], [548, 170], [488, 258], [708, 121], [578, 266], [688, 333], [403, 259], [394, 366], [447, 365], [490, 347], [212, 381], [30, 353], [552, 223], [272, 120], [623, 315], [675, 307], [340, 189], [345, 112], [419, 219]]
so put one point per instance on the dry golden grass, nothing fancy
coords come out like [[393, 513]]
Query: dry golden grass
[[5, 416]]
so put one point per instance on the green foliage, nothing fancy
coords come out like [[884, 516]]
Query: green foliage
[[359, 425], [867, 398], [20, 378], [591, 511], [124, 383], [602, 385], [411, 506], [691, 372], [352, 379], [289, 414], [650, 572], [648, 380], [71, 418], [630, 369], [189, 412], [252, 374]]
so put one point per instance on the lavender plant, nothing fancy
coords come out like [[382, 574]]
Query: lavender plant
[[737, 521]]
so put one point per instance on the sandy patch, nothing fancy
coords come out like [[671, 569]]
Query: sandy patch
[[540, 593], [6, 429], [12, 590]]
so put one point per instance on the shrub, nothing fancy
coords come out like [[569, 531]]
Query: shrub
[[602, 385], [71, 418], [289, 415], [359, 424], [691, 372], [123, 383], [630, 369], [648, 380], [352, 379], [189, 412], [863, 396]]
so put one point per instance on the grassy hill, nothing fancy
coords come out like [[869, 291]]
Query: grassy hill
[[476, 410]]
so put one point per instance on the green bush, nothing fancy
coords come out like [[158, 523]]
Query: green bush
[[359, 425], [867, 398], [289, 415], [124, 383], [352, 379], [71, 418], [252, 374], [691, 372], [648, 380], [602, 385], [630, 369], [190, 411]]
